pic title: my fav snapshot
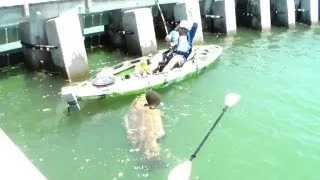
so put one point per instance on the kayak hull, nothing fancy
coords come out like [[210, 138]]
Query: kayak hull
[[122, 80]]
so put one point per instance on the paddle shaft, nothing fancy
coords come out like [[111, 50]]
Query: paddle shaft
[[162, 17], [206, 137]]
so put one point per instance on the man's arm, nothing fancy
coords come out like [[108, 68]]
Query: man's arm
[[192, 32], [193, 29]]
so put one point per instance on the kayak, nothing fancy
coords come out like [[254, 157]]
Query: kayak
[[121, 79]]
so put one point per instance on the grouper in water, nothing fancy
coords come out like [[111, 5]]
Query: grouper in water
[[144, 125]]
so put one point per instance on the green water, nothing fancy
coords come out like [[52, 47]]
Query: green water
[[273, 133]]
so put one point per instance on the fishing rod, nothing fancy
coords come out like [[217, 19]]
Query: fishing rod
[[162, 17]]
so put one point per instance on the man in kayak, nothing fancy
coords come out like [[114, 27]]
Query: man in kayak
[[180, 46], [183, 47]]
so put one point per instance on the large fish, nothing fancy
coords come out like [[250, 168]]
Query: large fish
[[144, 127]]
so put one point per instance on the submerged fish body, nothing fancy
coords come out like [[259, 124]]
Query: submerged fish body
[[144, 127]]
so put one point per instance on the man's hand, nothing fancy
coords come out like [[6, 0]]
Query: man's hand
[[167, 38]]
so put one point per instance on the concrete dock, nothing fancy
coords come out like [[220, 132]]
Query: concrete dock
[[14, 165]]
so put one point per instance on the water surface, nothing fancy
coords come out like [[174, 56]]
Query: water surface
[[273, 133]]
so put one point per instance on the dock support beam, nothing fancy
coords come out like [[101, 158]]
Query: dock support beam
[[184, 11], [309, 11], [142, 41], [70, 57], [225, 10], [283, 13]]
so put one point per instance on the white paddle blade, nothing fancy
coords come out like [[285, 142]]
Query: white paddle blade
[[231, 99], [181, 172]]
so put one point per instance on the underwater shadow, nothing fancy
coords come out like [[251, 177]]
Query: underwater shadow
[[8, 72]]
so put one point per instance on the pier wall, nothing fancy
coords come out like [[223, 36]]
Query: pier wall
[[101, 23], [14, 163]]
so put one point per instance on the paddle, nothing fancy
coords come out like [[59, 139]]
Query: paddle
[[183, 170]]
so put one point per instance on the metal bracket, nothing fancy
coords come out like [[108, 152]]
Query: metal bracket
[[300, 10], [278, 12], [39, 46], [247, 14], [212, 16], [123, 32]]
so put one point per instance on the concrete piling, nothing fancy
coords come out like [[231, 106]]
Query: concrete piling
[[254, 14], [224, 19], [206, 9], [70, 58], [32, 32], [263, 21], [32, 35], [112, 29], [142, 41], [283, 13], [309, 12]]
